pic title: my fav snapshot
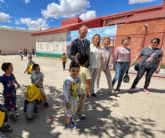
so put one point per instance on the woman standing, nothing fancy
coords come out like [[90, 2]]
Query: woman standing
[[106, 63], [151, 59], [94, 61], [123, 59]]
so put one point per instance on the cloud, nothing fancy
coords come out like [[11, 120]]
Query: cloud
[[88, 15], [2, 1], [37, 24], [27, 1], [66, 8], [139, 1], [4, 17]]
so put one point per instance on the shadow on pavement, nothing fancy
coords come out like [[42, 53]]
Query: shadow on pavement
[[100, 122]]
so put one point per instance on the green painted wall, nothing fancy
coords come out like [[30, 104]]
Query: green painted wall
[[48, 55]]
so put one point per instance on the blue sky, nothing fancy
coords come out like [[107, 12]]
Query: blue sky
[[35, 14]]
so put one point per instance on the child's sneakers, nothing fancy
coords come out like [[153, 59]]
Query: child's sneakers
[[70, 125], [82, 119], [6, 128], [46, 104], [17, 113]]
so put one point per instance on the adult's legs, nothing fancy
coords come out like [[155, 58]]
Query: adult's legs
[[98, 78], [138, 77], [109, 80], [94, 73], [117, 73], [125, 68], [149, 74]]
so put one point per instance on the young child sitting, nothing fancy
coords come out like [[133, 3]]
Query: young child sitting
[[9, 92], [71, 91], [85, 77], [37, 78]]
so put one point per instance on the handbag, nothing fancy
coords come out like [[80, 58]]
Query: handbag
[[126, 78], [138, 65]]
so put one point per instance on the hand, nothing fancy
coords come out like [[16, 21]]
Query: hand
[[68, 105], [18, 86], [158, 70], [88, 94]]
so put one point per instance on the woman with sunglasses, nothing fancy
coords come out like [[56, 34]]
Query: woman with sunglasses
[[151, 60], [94, 61]]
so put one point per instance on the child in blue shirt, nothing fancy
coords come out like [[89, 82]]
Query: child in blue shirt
[[8, 81]]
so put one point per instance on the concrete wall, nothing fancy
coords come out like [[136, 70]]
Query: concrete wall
[[52, 45], [12, 40], [140, 37]]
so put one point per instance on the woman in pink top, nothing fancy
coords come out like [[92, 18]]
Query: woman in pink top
[[123, 59]]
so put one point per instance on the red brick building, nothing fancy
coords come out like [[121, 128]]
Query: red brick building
[[142, 25]]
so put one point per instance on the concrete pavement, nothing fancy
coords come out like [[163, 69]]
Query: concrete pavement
[[136, 115]]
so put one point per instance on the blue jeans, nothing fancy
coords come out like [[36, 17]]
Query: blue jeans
[[121, 69]]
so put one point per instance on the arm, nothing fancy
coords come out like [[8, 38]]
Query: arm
[[72, 51], [159, 66], [66, 91], [16, 82], [136, 59], [116, 52], [160, 62]]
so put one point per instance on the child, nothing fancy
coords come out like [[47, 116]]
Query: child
[[85, 77], [71, 91], [37, 79], [64, 59], [29, 66], [9, 92], [5, 126]]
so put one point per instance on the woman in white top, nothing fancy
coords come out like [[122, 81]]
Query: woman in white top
[[94, 60], [106, 63]]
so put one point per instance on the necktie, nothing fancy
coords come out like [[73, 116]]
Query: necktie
[[83, 44]]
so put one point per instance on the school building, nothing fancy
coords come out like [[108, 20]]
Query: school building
[[11, 40]]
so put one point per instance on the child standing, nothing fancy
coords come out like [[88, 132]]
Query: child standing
[[85, 77], [37, 78], [64, 59], [71, 91], [29, 66], [9, 92]]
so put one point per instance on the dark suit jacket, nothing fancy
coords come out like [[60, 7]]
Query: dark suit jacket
[[77, 47]]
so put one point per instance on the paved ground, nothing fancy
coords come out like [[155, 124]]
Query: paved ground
[[127, 116]]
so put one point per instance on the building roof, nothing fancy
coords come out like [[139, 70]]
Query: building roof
[[143, 14], [65, 28], [140, 17]]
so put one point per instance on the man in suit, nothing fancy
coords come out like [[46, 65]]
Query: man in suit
[[80, 46]]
